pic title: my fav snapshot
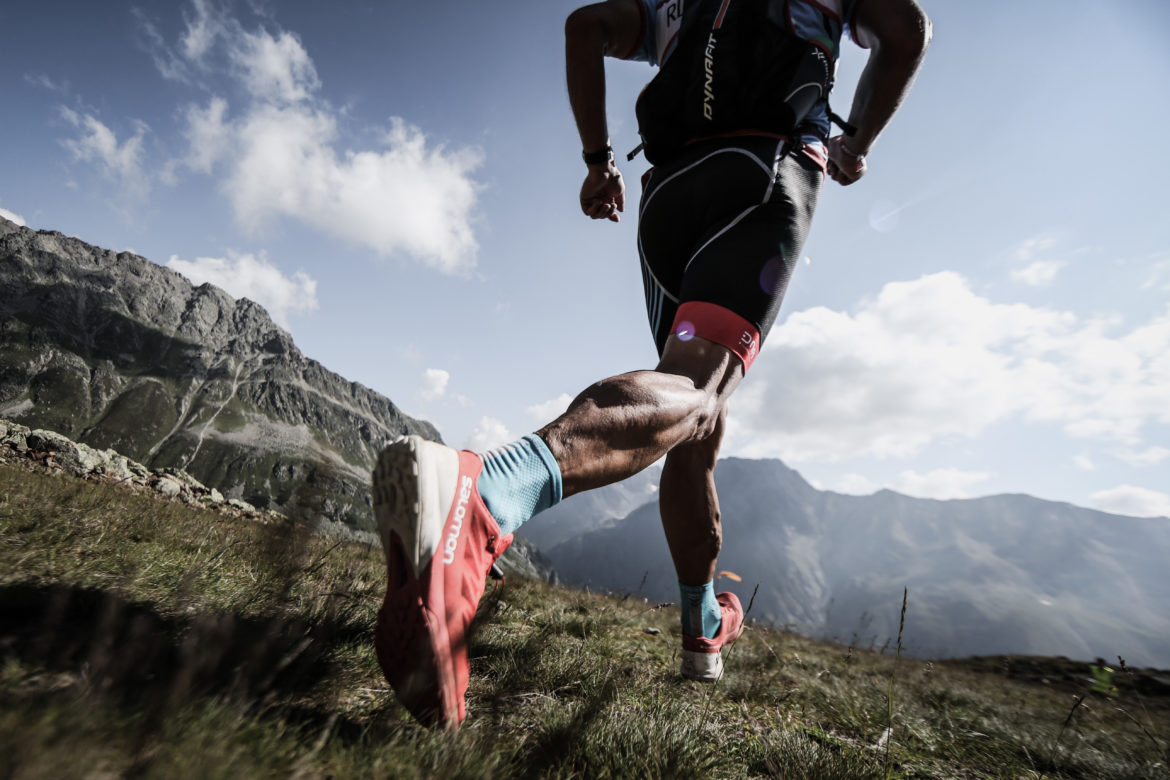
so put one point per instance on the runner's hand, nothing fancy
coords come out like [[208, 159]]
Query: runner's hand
[[844, 166], [603, 194]]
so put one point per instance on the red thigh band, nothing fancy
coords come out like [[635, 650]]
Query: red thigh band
[[722, 326]]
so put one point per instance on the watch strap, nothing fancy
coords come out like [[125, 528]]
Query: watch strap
[[597, 158]]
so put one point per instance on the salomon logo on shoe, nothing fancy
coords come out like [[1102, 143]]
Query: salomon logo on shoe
[[457, 521]]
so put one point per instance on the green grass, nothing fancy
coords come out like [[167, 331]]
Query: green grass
[[146, 638]]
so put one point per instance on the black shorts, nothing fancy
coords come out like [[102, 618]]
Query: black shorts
[[720, 231]]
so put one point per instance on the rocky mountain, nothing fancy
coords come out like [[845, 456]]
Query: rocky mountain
[[118, 353], [1002, 574]]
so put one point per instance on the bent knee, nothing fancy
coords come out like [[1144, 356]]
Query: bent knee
[[706, 424], [700, 451], [709, 425]]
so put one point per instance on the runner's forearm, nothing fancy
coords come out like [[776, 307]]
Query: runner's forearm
[[885, 81], [585, 49]]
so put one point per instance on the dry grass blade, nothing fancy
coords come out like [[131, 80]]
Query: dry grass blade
[[889, 732], [1141, 703]]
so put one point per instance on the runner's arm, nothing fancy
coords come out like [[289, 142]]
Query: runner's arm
[[897, 33], [592, 33]]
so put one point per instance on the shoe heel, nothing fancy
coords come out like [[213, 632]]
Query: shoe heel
[[704, 667]]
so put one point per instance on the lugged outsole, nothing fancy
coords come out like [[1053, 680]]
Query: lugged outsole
[[406, 635], [396, 499]]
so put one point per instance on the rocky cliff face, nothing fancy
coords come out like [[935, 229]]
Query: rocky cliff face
[[118, 353]]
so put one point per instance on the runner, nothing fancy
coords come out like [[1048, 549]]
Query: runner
[[721, 226]]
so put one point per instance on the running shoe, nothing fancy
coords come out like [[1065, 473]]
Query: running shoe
[[440, 542], [701, 659]]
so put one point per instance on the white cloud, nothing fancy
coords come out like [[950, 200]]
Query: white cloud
[[43, 81], [928, 359], [256, 278], [550, 410], [434, 383], [12, 217], [1039, 273], [939, 483], [1158, 277], [1028, 249], [1151, 456], [404, 198], [275, 68], [281, 154], [97, 143], [488, 434], [207, 135], [1132, 501], [1084, 463], [203, 28], [856, 485]]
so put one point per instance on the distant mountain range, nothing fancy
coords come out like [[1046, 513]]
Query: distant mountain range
[[1002, 574], [116, 352]]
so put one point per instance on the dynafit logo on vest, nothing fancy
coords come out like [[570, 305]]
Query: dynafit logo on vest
[[709, 83]]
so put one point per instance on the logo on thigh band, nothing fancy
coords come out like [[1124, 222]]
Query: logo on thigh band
[[719, 325]]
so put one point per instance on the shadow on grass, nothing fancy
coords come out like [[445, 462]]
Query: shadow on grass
[[133, 655]]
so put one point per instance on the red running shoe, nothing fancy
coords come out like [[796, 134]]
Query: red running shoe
[[701, 659], [440, 542]]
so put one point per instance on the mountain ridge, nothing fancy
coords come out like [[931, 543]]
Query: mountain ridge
[[1009, 573], [121, 353]]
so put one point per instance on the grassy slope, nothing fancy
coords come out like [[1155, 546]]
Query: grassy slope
[[140, 637]]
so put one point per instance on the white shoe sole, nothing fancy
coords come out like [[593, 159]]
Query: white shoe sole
[[704, 667], [414, 486]]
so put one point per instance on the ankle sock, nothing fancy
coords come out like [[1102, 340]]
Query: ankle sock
[[701, 615], [519, 480]]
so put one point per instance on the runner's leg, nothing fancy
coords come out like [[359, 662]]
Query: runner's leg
[[621, 425], [689, 507]]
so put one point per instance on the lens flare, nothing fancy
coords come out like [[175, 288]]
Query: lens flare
[[685, 330], [773, 275], [883, 216]]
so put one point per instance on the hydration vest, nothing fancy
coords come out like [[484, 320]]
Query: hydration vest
[[734, 69]]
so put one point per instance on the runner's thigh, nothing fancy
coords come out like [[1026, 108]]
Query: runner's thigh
[[719, 226]]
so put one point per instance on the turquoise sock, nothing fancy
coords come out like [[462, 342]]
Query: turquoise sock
[[519, 480], [701, 615]]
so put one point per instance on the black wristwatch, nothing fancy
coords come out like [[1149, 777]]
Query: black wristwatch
[[597, 158]]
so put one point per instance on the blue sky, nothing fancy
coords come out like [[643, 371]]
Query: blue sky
[[987, 311]]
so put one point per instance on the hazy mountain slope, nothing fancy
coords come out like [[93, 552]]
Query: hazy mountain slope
[[592, 509], [1003, 571], [991, 575]]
